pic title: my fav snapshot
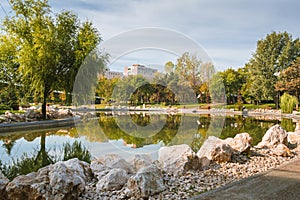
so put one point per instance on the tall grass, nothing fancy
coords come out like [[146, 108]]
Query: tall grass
[[288, 103], [76, 150]]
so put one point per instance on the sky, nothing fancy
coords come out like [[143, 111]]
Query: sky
[[226, 30]]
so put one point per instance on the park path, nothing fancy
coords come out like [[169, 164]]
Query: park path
[[279, 183]]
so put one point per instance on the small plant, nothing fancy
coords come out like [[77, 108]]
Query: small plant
[[22, 166], [76, 150], [287, 103]]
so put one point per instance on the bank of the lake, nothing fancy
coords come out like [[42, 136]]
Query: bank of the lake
[[179, 172]]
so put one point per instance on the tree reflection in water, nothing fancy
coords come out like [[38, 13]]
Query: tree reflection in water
[[193, 131]]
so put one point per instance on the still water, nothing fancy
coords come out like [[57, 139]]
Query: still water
[[135, 133]]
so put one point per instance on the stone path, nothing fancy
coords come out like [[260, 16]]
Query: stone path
[[280, 183]]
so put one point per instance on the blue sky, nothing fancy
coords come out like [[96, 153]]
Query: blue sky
[[226, 30]]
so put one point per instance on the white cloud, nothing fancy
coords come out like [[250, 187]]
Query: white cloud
[[228, 30]]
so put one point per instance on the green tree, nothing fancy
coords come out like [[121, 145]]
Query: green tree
[[50, 49], [233, 81], [273, 54], [217, 89], [188, 67], [289, 80], [105, 87], [10, 80]]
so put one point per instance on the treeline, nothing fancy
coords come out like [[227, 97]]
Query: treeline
[[42, 52], [273, 70], [186, 81]]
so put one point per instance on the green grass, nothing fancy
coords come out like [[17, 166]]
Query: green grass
[[253, 106], [12, 111], [205, 106]]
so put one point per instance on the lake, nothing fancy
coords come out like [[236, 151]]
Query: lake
[[126, 134]]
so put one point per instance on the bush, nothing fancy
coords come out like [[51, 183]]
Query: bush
[[287, 103], [4, 107]]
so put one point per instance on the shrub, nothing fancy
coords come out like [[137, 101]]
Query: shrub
[[4, 107], [287, 103]]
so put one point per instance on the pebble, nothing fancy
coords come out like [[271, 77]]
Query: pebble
[[193, 183]]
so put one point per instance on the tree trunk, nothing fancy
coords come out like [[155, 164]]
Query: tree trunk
[[44, 111], [277, 100], [68, 98], [297, 104]]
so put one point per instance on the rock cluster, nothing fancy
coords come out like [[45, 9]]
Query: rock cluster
[[276, 140], [33, 115], [179, 172], [62, 180], [178, 158]]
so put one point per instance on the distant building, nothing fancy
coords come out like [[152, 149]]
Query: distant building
[[113, 74], [136, 69]]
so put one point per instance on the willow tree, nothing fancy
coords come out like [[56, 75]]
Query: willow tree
[[50, 47], [9, 79]]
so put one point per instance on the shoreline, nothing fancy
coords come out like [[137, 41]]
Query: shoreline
[[185, 174], [34, 125]]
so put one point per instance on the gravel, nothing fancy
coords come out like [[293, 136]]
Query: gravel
[[192, 183]]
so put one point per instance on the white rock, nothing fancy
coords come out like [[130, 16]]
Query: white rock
[[110, 161], [178, 158], [241, 142], [115, 179], [282, 150], [274, 136], [138, 161], [64, 112], [3, 182], [293, 138], [62, 180], [147, 182], [216, 150]]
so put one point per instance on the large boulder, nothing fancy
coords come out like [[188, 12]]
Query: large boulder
[[138, 161], [115, 179], [3, 182], [148, 181], [62, 180], [216, 150], [293, 138], [282, 150], [240, 143], [274, 136], [178, 158], [110, 161]]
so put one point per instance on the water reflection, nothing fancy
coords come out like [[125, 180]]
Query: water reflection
[[103, 135]]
